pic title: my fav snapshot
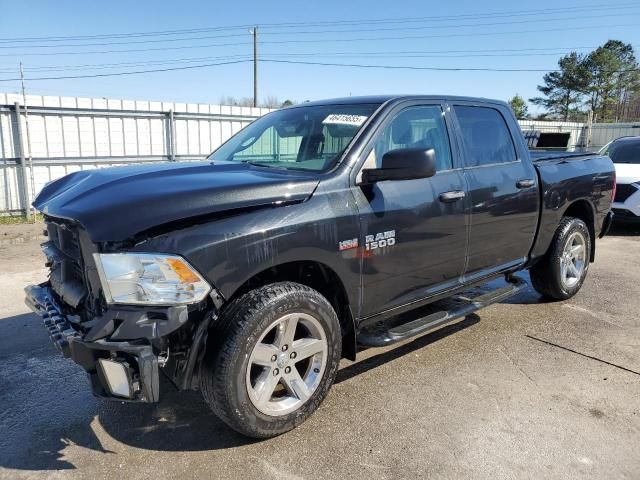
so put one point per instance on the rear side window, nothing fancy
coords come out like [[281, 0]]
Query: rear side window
[[625, 151], [486, 136]]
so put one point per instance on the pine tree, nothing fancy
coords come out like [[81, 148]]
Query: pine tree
[[613, 76], [519, 107], [564, 89]]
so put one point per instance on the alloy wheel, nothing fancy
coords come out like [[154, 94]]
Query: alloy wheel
[[573, 259], [286, 364]]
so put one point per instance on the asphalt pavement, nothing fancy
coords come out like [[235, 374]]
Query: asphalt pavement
[[522, 389]]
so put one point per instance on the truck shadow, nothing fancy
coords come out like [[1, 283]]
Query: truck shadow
[[362, 366], [624, 230], [183, 422], [49, 411]]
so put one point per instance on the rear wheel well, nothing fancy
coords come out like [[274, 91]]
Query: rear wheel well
[[582, 209], [321, 278]]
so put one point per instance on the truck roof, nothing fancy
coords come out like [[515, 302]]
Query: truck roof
[[386, 98], [628, 138]]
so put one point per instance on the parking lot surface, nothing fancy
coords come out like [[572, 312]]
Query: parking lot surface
[[522, 389]]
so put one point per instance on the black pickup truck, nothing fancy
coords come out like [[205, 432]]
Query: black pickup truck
[[315, 230]]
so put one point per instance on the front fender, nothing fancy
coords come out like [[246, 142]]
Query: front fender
[[230, 251]]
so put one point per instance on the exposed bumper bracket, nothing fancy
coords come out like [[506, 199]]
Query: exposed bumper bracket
[[143, 363]]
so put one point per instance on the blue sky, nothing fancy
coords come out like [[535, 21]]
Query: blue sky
[[494, 34]]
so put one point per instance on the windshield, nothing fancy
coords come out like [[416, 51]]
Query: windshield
[[301, 138], [624, 151]]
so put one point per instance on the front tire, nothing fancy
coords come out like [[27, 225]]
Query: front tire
[[560, 273], [277, 356]]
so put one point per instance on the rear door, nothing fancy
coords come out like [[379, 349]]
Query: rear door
[[503, 189], [413, 240]]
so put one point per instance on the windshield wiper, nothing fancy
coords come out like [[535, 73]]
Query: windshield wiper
[[259, 164]]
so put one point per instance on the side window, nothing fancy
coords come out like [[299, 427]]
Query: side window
[[416, 127], [486, 136]]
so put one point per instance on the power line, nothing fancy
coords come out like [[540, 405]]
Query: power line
[[183, 47], [295, 62], [515, 13], [314, 55], [377, 54], [539, 49], [402, 53], [100, 66], [128, 42], [117, 35], [308, 32], [498, 14], [330, 40], [117, 74], [415, 55], [481, 34], [432, 27], [415, 67]]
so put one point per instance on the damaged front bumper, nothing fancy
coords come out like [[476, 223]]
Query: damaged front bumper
[[123, 370]]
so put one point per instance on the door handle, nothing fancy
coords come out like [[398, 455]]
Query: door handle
[[448, 197], [525, 183]]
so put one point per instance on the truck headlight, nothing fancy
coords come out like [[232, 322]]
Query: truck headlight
[[149, 278]]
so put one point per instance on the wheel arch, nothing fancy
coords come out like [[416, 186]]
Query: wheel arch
[[318, 276], [583, 209]]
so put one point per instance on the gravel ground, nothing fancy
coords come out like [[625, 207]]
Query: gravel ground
[[523, 389], [20, 233]]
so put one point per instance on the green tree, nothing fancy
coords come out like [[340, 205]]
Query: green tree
[[631, 107], [564, 89], [519, 106], [613, 77]]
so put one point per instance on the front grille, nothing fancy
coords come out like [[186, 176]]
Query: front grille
[[624, 191], [65, 238], [65, 260]]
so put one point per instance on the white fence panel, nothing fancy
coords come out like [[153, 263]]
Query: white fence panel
[[603, 133], [577, 130], [68, 134]]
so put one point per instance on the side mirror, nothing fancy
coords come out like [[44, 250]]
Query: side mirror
[[403, 164]]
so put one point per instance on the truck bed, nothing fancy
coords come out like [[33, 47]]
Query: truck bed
[[568, 178], [540, 155]]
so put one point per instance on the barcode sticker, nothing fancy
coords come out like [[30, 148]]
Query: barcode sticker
[[344, 119]]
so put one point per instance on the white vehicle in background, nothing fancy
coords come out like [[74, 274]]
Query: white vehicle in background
[[625, 154]]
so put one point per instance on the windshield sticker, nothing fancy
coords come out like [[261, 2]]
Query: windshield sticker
[[344, 119]]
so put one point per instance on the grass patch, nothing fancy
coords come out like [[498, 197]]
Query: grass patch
[[20, 219]]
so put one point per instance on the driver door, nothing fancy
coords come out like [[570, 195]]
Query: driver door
[[413, 232]]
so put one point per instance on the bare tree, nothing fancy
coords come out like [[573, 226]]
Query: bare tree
[[236, 102], [270, 101]]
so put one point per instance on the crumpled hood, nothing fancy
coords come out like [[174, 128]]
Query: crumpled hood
[[114, 204]]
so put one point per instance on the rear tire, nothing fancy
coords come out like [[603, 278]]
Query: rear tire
[[560, 273], [276, 357]]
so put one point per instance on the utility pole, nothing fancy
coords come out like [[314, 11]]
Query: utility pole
[[589, 129], [26, 124], [255, 65]]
